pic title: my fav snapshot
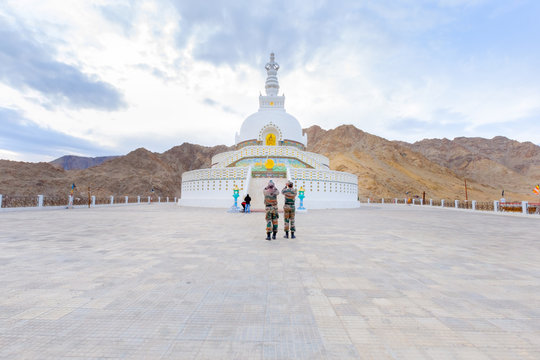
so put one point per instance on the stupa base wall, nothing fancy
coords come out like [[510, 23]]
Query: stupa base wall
[[308, 204], [209, 203], [213, 188]]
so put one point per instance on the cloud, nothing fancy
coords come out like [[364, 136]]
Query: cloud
[[215, 104], [245, 32], [27, 63], [191, 71], [121, 14], [519, 129], [26, 139]]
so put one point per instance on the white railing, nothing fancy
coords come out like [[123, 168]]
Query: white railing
[[517, 207], [69, 201], [213, 182], [215, 173], [225, 159], [323, 175], [248, 181]]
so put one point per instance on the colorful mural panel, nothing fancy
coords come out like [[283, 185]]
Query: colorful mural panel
[[280, 164]]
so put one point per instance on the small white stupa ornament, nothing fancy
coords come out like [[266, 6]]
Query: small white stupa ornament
[[272, 84]]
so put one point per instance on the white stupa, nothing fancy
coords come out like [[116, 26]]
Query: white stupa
[[270, 145]]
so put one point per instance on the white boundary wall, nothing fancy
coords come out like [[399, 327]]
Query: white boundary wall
[[324, 189], [213, 187]]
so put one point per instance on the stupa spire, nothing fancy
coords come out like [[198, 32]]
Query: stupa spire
[[272, 84]]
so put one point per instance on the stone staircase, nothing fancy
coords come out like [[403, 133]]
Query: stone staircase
[[255, 191]]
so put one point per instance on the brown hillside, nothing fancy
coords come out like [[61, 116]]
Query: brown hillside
[[22, 178], [498, 162], [133, 174], [390, 169], [384, 168]]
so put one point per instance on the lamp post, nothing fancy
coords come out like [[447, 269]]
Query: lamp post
[[301, 196], [236, 194]]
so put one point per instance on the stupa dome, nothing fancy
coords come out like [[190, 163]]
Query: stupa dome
[[257, 125], [271, 117]]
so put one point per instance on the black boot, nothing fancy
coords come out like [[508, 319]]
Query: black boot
[[292, 235], [286, 235], [267, 236], [274, 235]]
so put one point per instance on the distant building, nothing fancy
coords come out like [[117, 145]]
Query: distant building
[[270, 145]]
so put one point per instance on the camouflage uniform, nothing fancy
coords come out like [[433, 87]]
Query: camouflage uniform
[[270, 202], [289, 208]]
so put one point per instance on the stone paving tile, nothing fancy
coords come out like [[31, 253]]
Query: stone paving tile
[[166, 282]]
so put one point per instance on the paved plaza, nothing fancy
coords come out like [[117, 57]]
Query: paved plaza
[[167, 282]]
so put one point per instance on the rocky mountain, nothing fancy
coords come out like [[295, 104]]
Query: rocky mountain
[[72, 162], [133, 174], [500, 162], [23, 178], [392, 169], [384, 168]]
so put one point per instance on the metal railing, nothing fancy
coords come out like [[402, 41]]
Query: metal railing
[[10, 201], [485, 206], [509, 207], [39, 201]]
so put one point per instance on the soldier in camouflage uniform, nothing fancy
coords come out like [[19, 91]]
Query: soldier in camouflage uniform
[[289, 209], [270, 202]]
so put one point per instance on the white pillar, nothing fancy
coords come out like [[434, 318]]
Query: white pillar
[[474, 204], [159, 199], [442, 202], [368, 200], [112, 199], [382, 201], [138, 199], [175, 199], [395, 200], [524, 206], [495, 206], [456, 203], [430, 202], [0, 200], [421, 201], [93, 200], [413, 201], [149, 199], [167, 199], [40, 200], [127, 200], [405, 201]]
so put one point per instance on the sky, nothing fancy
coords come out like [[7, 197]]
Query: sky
[[105, 77]]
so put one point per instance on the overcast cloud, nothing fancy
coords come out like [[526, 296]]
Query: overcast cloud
[[90, 77]]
